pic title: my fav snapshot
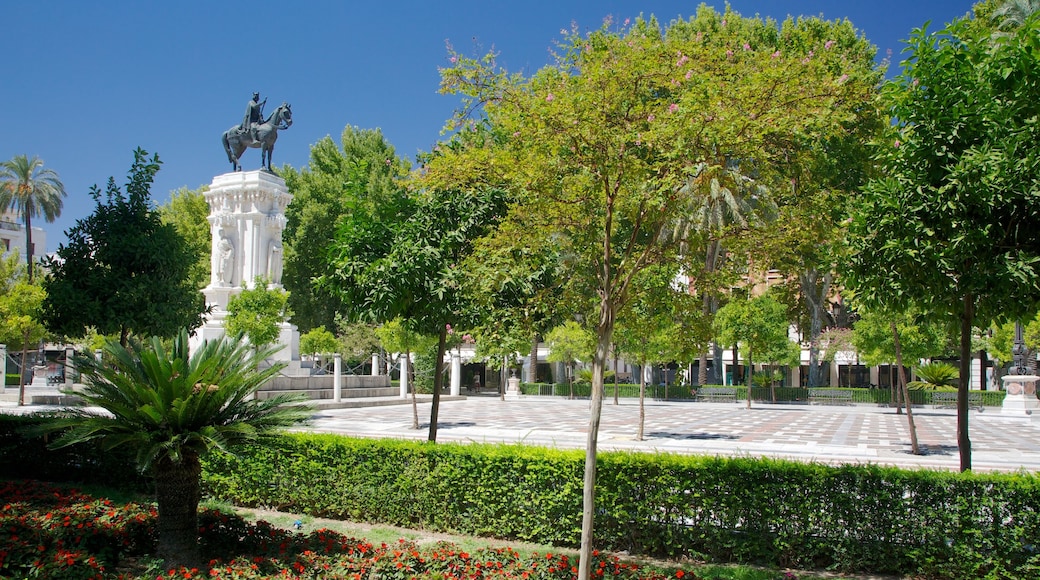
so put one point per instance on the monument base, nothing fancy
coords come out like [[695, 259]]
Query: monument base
[[1020, 400], [512, 389]]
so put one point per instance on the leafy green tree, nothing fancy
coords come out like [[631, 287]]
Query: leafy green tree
[[257, 312], [172, 407], [188, 212], [570, 344], [600, 143], [32, 191], [358, 340], [318, 341], [759, 325], [412, 268], [397, 337], [949, 227], [123, 271], [21, 307], [360, 175]]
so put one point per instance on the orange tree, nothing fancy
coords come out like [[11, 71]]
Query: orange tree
[[951, 227], [598, 145]]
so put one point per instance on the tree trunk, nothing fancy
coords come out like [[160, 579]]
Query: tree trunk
[[963, 440], [893, 386], [914, 448], [177, 496], [983, 363], [642, 408], [28, 246], [411, 385], [604, 331], [815, 293], [570, 380], [438, 380], [702, 368], [533, 359], [615, 379], [747, 378], [21, 374]]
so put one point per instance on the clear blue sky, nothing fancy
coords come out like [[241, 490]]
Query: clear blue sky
[[84, 83]]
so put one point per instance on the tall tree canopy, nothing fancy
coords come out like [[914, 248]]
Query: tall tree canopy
[[32, 190], [360, 175], [188, 212], [952, 225], [600, 143], [123, 271]]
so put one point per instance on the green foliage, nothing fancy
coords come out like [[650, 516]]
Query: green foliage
[[395, 336], [188, 212], [21, 308], [123, 271], [759, 325], [358, 341], [919, 337], [31, 191], [569, 343], [359, 177], [256, 313], [790, 514], [935, 375], [318, 341]]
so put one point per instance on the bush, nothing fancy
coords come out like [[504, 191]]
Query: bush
[[782, 513]]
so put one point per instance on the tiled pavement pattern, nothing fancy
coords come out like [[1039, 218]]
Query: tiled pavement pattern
[[827, 434]]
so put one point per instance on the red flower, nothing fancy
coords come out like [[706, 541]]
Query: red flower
[[679, 573]]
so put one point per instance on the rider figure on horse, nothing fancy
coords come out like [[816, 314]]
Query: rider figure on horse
[[254, 116]]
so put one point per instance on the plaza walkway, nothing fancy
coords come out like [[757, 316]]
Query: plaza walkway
[[826, 434]]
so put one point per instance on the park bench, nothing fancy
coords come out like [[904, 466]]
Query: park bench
[[830, 397], [717, 394], [948, 400]]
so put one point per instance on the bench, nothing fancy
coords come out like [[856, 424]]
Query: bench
[[717, 394], [948, 400], [830, 397]]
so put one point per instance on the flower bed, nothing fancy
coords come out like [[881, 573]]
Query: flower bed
[[52, 532]]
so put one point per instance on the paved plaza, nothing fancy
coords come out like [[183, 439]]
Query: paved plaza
[[826, 434]]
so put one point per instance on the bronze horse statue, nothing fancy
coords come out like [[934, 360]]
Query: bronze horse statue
[[237, 139]]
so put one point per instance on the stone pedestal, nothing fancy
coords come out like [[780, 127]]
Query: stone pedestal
[[455, 376], [513, 388], [247, 216], [1020, 400]]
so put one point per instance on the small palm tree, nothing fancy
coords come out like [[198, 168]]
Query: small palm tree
[[32, 191], [1013, 13], [173, 407], [935, 375]]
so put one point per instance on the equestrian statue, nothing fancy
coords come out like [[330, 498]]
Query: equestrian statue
[[255, 132]]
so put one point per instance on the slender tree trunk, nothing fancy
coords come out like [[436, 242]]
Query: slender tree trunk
[[177, 496], [702, 368], [411, 385], [533, 359], [963, 440], [603, 332], [897, 394], [642, 408], [28, 246], [983, 363], [815, 293], [438, 380], [747, 378], [615, 379], [21, 375], [570, 380], [914, 448]]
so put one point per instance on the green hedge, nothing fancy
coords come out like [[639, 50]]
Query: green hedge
[[852, 518], [24, 455], [760, 394]]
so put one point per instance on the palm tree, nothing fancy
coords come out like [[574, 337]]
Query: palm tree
[[1014, 13], [723, 199], [32, 191], [173, 407]]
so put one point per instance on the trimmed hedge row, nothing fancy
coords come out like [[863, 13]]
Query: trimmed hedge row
[[782, 513], [758, 394], [24, 455], [851, 518]]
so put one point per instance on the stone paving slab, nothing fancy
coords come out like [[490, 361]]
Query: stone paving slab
[[819, 433], [825, 434]]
